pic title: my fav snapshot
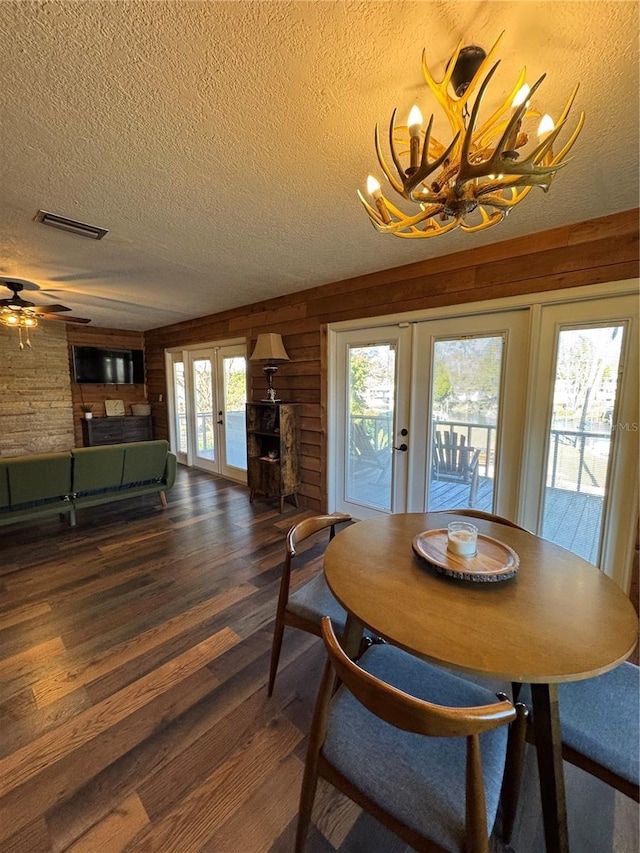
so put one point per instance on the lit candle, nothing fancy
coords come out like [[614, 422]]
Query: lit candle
[[415, 126], [545, 127], [373, 188], [521, 95]]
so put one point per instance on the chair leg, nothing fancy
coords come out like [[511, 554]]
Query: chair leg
[[276, 647], [307, 797], [512, 780]]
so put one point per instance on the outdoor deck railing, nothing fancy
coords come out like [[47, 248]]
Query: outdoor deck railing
[[379, 430]]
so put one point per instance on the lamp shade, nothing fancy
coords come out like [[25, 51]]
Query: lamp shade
[[269, 347]]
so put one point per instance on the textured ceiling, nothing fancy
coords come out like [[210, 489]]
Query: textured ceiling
[[221, 143]]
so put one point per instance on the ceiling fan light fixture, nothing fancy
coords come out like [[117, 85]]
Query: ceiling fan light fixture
[[71, 225], [473, 181]]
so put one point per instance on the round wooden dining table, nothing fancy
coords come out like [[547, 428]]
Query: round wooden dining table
[[557, 619]]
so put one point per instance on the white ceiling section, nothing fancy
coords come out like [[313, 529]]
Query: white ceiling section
[[221, 143]]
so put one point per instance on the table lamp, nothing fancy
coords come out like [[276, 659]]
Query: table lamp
[[269, 348]]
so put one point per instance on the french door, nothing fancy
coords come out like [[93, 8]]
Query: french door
[[207, 403], [403, 388], [580, 481], [530, 412]]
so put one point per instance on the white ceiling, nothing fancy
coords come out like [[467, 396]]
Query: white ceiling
[[221, 143]]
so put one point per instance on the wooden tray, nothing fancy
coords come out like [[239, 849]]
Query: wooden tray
[[494, 560]]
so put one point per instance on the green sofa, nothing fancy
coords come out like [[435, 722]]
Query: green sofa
[[61, 483]]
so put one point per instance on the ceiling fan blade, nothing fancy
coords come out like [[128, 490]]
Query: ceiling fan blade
[[49, 309], [65, 319]]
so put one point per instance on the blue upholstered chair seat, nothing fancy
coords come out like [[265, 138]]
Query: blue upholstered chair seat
[[315, 600], [600, 718], [420, 780]]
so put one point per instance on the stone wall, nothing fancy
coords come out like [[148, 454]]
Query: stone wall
[[35, 392]]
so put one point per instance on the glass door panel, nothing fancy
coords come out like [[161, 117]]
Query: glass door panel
[[371, 388], [465, 402], [234, 397], [579, 439], [468, 398], [180, 407], [205, 448], [371, 421]]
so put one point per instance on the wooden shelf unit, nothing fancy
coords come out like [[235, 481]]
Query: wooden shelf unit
[[273, 428]]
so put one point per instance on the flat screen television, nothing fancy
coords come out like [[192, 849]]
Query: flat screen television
[[95, 365]]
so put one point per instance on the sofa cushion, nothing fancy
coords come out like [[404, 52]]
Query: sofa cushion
[[44, 476], [144, 461], [97, 467]]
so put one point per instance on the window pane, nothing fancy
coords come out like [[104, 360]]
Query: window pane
[[369, 440], [579, 441], [465, 400], [235, 397]]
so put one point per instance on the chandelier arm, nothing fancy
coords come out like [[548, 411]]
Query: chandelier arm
[[394, 154], [482, 70], [501, 203], [569, 144], [466, 142], [488, 125], [487, 222], [427, 168], [434, 231], [395, 183]]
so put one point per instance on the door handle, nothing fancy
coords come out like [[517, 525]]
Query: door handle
[[219, 422], [403, 447]]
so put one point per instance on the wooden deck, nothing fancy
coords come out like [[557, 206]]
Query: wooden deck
[[571, 519]]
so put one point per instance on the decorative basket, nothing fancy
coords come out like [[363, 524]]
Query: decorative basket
[[140, 409]]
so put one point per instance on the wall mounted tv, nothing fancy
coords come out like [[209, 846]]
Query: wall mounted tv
[[95, 365]]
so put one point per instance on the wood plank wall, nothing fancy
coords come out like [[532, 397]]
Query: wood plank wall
[[600, 250], [88, 336]]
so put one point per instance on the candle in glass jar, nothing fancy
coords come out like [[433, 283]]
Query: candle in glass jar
[[462, 539]]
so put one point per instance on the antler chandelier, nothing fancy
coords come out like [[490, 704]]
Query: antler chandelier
[[475, 181]]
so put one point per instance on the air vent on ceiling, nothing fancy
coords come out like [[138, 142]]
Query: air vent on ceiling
[[71, 225]]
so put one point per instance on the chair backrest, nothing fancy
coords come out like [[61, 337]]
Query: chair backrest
[[308, 526], [452, 454], [405, 712], [486, 516]]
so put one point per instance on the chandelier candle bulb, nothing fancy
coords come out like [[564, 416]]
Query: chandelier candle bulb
[[462, 539], [415, 126], [374, 190]]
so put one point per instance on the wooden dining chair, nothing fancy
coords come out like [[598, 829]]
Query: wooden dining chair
[[420, 749], [600, 725], [304, 607]]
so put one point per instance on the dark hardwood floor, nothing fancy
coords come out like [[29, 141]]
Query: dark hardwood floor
[[134, 654]]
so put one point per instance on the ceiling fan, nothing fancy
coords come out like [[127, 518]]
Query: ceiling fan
[[16, 311]]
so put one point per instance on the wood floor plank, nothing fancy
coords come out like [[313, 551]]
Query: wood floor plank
[[116, 830], [264, 816], [52, 746], [207, 808], [23, 614], [64, 681]]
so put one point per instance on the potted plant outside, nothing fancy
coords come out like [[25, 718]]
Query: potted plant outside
[[86, 409]]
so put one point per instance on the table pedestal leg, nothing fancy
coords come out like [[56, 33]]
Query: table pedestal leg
[[546, 723], [352, 636]]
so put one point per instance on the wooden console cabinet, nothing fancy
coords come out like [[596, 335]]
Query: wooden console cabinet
[[273, 450], [97, 431]]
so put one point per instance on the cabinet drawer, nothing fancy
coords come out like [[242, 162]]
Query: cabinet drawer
[[136, 429]]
